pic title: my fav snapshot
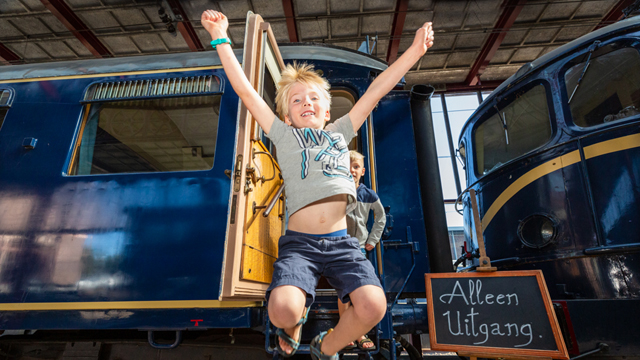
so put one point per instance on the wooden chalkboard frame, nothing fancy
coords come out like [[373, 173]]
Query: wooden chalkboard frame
[[561, 353]]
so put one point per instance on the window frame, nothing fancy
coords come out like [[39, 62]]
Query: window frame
[[512, 95], [577, 59], [464, 158], [7, 105], [12, 95], [86, 111], [234, 285]]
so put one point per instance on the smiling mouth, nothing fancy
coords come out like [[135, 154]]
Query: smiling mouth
[[308, 113]]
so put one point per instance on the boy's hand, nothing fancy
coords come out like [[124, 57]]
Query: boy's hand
[[424, 38], [368, 247], [215, 23]]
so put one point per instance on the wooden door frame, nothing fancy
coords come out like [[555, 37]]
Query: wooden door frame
[[232, 286]]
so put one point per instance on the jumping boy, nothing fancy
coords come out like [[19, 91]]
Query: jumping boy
[[315, 168]]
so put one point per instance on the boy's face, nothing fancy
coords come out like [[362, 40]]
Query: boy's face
[[357, 171], [308, 108]]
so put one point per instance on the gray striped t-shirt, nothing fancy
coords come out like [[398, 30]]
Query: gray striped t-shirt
[[314, 163]]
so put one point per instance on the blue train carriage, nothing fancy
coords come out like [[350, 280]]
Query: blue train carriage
[[554, 155], [138, 193]]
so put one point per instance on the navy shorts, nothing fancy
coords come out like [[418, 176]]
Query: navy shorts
[[302, 259]]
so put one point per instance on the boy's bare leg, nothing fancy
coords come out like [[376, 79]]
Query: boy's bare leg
[[368, 306], [286, 308], [342, 307]]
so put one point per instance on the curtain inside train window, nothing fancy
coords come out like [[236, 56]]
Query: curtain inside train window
[[517, 125], [147, 135], [610, 87]]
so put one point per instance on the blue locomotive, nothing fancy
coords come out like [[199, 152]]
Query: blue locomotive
[[554, 156], [138, 194]]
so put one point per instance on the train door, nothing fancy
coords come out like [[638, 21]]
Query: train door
[[256, 204]]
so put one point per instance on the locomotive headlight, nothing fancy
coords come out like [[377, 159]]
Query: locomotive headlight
[[537, 231], [547, 230]]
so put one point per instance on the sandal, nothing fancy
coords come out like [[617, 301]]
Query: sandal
[[350, 346], [288, 339], [366, 340], [316, 345]]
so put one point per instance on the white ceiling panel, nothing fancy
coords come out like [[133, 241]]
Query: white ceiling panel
[[344, 27], [309, 8], [375, 5], [376, 24], [312, 29], [343, 6]]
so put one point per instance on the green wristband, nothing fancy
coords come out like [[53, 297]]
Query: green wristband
[[217, 42]]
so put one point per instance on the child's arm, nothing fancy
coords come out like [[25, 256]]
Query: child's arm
[[379, 221], [216, 24], [391, 76]]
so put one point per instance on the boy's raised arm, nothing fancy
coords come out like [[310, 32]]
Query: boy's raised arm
[[216, 24], [391, 76]]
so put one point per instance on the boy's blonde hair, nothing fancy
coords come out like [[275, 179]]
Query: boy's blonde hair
[[303, 74], [354, 155]]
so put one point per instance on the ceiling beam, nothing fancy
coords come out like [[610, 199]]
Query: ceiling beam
[[509, 14], [8, 57], [397, 25], [71, 21], [186, 29], [463, 87], [614, 14], [291, 20]]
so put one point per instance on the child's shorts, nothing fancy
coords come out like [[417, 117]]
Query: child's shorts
[[302, 259]]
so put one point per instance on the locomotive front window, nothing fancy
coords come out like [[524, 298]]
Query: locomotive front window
[[609, 89], [515, 128], [149, 135]]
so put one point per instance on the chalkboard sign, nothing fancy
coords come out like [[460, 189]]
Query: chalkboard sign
[[502, 312]]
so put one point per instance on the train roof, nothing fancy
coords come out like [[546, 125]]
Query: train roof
[[556, 54], [296, 51]]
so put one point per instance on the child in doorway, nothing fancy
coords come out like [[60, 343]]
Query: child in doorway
[[367, 201], [357, 225], [320, 190]]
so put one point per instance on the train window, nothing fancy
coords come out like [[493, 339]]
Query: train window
[[341, 103], [147, 135], [5, 97], [515, 128], [609, 89], [269, 88]]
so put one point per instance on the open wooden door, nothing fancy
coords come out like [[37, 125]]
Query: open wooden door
[[256, 202]]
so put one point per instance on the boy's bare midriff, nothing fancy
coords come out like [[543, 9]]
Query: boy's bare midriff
[[321, 217]]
